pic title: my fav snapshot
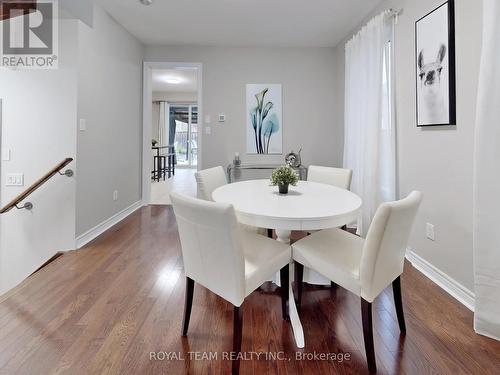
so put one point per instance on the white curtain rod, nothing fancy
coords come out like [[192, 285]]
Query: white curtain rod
[[395, 12]]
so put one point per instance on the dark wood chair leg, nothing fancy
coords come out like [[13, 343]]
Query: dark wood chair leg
[[366, 315], [156, 172], [188, 304], [164, 167], [270, 233], [398, 303], [284, 281], [299, 277], [237, 336], [169, 166]]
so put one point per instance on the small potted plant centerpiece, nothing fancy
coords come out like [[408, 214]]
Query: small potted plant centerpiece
[[283, 177]]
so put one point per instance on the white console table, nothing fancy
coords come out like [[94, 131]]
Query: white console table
[[246, 172]]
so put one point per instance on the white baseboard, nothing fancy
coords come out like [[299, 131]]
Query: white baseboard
[[89, 235], [451, 286]]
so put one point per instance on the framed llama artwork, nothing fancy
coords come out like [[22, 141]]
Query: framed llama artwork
[[435, 67], [264, 127]]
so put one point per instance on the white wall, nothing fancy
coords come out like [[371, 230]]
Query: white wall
[[78, 9], [39, 127], [307, 76], [99, 79], [109, 99], [438, 160]]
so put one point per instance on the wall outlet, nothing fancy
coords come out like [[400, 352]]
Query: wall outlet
[[115, 195], [429, 231], [15, 179]]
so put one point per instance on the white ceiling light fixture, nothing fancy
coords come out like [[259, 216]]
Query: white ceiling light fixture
[[185, 80], [173, 81], [146, 2]]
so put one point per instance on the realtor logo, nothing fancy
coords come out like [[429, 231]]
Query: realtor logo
[[29, 34]]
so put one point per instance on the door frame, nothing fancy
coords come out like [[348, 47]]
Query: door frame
[[147, 109]]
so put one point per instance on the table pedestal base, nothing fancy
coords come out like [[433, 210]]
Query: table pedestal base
[[283, 235], [310, 276], [298, 332]]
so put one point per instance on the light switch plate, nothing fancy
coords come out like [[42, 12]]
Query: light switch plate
[[208, 119], [208, 130], [15, 179], [6, 154], [82, 125], [222, 117], [429, 232]]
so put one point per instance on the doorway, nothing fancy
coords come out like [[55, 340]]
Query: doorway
[[186, 134], [171, 140]]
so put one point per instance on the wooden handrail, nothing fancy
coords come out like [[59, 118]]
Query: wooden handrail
[[24, 7], [37, 184]]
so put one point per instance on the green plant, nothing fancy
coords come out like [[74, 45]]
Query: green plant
[[284, 175]]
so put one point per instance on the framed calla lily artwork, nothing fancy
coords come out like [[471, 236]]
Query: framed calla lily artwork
[[264, 125]]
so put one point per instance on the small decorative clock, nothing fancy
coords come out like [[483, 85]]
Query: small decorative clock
[[293, 159]]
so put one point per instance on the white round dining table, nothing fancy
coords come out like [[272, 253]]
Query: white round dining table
[[308, 206]]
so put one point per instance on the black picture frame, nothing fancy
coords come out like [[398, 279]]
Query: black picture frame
[[452, 116]]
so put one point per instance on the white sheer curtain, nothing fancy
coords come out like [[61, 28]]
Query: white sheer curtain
[[487, 180], [163, 124], [369, 134]]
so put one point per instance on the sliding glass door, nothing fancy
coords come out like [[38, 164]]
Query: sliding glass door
[[186, 134], [193, 135]]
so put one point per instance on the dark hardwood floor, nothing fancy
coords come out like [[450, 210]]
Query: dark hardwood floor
[[103, 310]]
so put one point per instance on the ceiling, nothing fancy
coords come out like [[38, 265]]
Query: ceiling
[[298, 23], [185, 80]]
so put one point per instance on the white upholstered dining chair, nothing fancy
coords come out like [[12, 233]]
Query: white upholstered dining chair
[[339, 177], [225, 259], [365, 267], [208, 180]]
